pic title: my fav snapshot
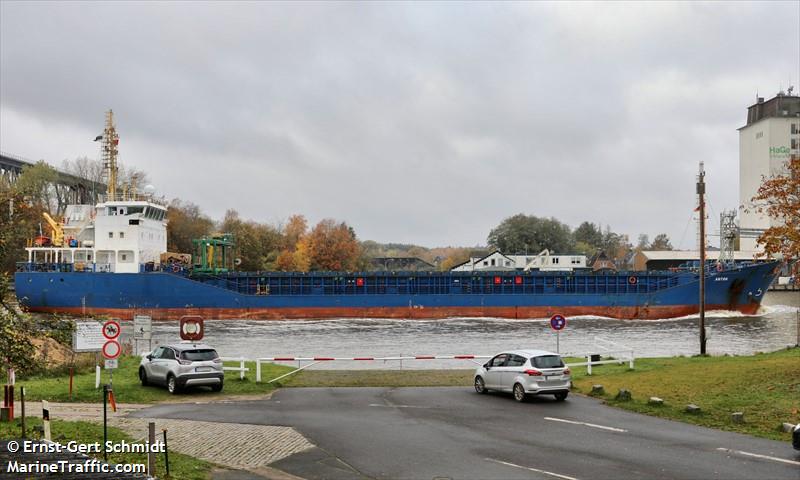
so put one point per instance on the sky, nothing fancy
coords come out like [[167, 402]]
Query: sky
[[425, 123]]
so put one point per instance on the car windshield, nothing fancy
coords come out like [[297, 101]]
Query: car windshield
[[547, 361], [199, 355]]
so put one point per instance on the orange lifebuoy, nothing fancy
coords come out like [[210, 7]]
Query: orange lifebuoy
[[719, 266], [632, 280], [176, 268]]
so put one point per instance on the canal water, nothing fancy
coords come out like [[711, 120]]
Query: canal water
[[773, 328]]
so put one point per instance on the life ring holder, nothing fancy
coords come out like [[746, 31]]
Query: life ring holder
[[719, 266], [632, 280], [176, 268]]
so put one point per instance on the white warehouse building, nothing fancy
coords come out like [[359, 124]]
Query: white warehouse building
[[497, 261], [768, 140]]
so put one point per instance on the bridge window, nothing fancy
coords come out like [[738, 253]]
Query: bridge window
[[121, 234], [110, 234]]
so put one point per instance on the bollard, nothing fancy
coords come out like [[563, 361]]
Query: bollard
[[241, 369], [258, 370], [166, 452], [46, 420], [71, 375], [624, 395], [151, 456], [588, 364], [656, 401], [96, 377], [737, 417], [692, 408]]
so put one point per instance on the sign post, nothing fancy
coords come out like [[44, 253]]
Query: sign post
[[111, 350], [557, 323]]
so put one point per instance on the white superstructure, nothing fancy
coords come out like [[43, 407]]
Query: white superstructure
[[766, 142], [121, 236]]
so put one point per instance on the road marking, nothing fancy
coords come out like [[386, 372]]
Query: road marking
[[530, 468], [396, 406], [765, 457], [613, 429]]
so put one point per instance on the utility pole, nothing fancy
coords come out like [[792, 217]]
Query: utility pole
[[701, 190]]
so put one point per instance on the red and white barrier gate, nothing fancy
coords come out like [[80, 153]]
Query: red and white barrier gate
[[317, 360]]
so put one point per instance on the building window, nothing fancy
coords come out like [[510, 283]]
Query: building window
[[493, 262], [110, 234], [759, 135], [121, 234], [794, 129], [555, 260], [124, 257], [485, 263]]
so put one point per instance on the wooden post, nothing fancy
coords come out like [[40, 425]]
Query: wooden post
[[701, 190]]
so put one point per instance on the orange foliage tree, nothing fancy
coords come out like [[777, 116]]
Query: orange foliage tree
[[333, 246], [779, 198]]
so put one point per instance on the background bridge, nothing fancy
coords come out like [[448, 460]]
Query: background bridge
[[70, 189]]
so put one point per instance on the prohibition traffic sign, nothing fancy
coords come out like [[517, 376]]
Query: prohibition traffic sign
[[558, 322], [111, 330], [111, 349]]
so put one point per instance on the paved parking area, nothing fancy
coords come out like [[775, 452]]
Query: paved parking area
[[439, 433]]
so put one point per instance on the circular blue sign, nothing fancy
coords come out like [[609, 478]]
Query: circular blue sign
[[558, 322]]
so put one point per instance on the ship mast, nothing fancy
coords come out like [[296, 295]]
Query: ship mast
[[110, 145], [701, 190]]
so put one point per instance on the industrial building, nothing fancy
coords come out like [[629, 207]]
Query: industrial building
[[770, 137]]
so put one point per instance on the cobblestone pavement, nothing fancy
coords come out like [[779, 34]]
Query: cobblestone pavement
[[234, 445]]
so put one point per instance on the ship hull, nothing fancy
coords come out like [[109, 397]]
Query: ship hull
[[165, 296]]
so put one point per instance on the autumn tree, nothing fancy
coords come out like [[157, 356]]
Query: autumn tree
[[779, 198], [333, 247], [185, 222]]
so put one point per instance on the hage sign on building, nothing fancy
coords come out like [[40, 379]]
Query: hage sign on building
[[779, 152]]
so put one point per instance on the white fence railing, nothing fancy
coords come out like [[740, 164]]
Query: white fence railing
[[601, 347], [241, 368]]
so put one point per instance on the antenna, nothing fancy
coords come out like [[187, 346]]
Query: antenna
[[109, 152]]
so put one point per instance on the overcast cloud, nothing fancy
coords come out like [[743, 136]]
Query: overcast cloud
[[420, 123]]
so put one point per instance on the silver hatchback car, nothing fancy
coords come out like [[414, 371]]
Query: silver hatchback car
[[182, 365], [524, 373]]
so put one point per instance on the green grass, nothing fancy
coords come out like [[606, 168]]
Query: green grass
[[766, 387], [180, 466], [127, 388]]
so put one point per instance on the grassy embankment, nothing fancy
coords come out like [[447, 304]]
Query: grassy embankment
[[127, 388], [766, 387], [180, 466]]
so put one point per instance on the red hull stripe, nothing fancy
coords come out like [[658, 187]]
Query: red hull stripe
[[397, 312]]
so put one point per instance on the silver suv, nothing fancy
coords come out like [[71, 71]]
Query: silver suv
[[182, 365], [524, 373]]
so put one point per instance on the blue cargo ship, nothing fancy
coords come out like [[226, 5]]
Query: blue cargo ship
[[110, 259], [274, 296]]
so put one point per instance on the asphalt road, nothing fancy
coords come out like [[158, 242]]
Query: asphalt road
[[440, 433]]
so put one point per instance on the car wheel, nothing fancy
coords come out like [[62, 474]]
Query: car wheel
[[217, 387], [172, 385], [480, 385], [143, 376], [519, 392], [560, 397]]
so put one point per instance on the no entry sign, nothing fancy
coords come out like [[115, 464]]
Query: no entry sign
[[111, 349], [558, 322]]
